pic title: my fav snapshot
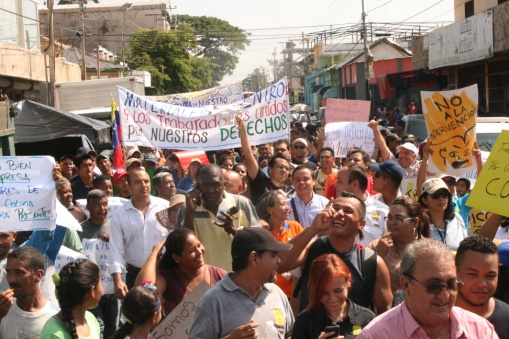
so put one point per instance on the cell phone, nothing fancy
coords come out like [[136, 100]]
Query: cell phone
[[232, 210], [334, 329]]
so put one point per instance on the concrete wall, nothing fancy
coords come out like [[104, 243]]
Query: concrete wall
[[104, 23], [21, 63], [479, 6]]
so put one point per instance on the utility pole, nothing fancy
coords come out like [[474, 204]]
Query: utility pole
[[51, 42], [274, 65], [83, 63], [366, 55]]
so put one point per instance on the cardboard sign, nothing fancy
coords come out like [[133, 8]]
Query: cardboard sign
[[27, 193], [66, 255], [179, 321], [220, 95], [154, 124], [476, 219], [343, 110], [340, 136], [491, 190], [98, 252], [408, 187], [451, 118]]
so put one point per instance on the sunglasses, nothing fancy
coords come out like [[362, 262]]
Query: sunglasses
[[435, 288], [299, 147], [440, 194]]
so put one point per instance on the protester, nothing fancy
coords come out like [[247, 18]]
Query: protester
[[200, 214], [103, 183], [134, 153], [121, 184], [300, 152], [134, 230], [142, 311], [233, 182], [327, 167], [371, 281], [305, 204], [164, 185], [246, 301], [446, 225], [226, 162], [477, 266], [132, 163], [180, 269], [240, 168], [104, 164], [353, 179], [23, 309], [83, 183], [67, 166], [173, 163], [405, 224], [189, 181], [78, 288], [273, 208], [387, 179], [265, 154], [98, 227], [329, 305], [6, 241], [427, 267]]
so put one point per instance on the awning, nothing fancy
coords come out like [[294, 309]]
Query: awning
[[332, 92], [323, 90], [37, 122], [316, 88]]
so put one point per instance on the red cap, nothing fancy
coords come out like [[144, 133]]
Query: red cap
[[119, 174]]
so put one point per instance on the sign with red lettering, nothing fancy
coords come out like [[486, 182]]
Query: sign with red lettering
[[343, 110]]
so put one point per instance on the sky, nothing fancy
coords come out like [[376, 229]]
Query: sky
[[272, 22]]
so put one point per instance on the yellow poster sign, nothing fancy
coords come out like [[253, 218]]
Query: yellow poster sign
[[451, 118], [491, 190]]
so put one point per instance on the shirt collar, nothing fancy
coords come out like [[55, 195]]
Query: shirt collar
[[409, 322], [230, 285]]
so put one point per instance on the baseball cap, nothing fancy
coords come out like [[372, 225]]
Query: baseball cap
[[195, 160], [392, 137], [150, 157], [66, 156], [301, 140], [432, 185], [132, 151], [131, 161], [101, 156], [409, 146], [161, 169], [251, 239], [119, 174], [390, 167], [82, 150]]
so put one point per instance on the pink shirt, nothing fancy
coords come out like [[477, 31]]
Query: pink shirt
[[398, 323]]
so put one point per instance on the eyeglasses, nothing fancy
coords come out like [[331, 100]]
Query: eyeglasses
[[299, 147], [396, 220], [436, 288], [440, 194], [450, 182], [379, 174], [282, 167]]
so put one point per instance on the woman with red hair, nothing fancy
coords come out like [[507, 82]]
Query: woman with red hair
[[329, 283]]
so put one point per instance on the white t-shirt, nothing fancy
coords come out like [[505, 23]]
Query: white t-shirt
[[18, 324]]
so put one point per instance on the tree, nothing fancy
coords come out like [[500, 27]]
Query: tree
[[219, 42], [255, 81]]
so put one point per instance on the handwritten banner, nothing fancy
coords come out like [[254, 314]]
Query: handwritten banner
[[66, 255], [150, 123], [179, 321], [408, 187], [98, 251], [451, 119], [343, 110], [491, 190], [221, 95], [27, 193], [114, 203], [341, 136]]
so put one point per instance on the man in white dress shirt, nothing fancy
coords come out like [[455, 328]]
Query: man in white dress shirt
[[134, 230], [354, 179]]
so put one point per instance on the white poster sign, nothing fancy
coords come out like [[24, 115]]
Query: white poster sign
[[179, 321], [462, 42], [340, 136], [66, 255], [149, 123], [98, 251], [220, 95], [27, 193]]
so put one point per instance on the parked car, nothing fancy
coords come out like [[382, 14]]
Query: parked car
[[488, 129]]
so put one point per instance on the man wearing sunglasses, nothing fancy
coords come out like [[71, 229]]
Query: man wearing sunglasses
[[428, 278], [300, 152]]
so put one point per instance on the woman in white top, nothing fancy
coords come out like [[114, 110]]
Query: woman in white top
[[446, 225]]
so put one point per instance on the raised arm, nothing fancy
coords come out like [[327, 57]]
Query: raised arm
[[249, 158], [379, 139], [423, 169], [490, 227], [149, 271]]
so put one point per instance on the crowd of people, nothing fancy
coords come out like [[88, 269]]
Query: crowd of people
[[293, 240]]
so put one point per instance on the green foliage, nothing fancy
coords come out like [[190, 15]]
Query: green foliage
[[195, 56]]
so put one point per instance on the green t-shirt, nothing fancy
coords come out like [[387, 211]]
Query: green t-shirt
[[55, 329]]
